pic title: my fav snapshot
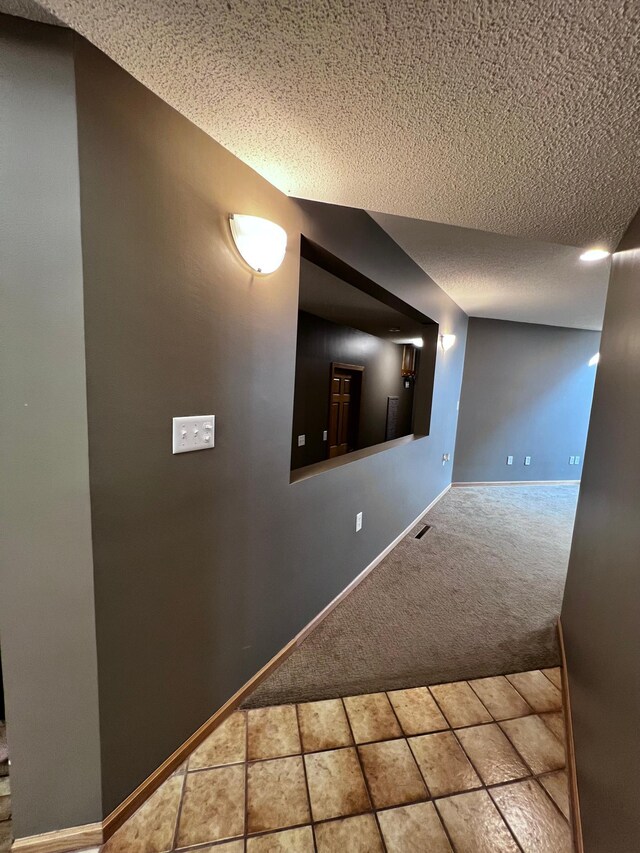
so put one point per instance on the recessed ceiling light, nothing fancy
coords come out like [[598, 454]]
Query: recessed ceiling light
[[594, 255]]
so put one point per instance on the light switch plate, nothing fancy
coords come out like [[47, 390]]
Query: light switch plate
[[324, 435], [509, 460], [572, 460], [577, 460], [527, 460], [196, 432], [358, 522], [301, 440]]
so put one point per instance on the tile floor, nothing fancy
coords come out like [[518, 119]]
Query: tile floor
[[470, 767]]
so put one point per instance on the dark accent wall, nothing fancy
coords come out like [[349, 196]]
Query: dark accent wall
[[319, 343], [46, 585], [205, 564], [601, 609], [526, 391]]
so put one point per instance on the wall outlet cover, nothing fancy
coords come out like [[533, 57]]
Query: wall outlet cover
[[324, 435], [301, 440]]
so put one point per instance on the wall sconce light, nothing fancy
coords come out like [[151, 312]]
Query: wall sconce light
[[261, 243], [447, 341]]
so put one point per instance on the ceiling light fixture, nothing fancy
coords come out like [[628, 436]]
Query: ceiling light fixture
[[594, 360], [447, 341], [594, 255], [261, 243]]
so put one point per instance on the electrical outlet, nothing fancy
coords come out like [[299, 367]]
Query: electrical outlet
[[572, 460], [527, 460], [445, 458], [301, 440], [509, 460], [193, 433], [358, 522], [324, 435]]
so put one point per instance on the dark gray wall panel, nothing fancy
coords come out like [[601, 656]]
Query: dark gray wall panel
[[527, 391], [601, 609], [46, 589], [206, 564]]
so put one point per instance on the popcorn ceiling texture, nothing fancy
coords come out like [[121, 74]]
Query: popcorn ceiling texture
[[515, 117], [508, 278]]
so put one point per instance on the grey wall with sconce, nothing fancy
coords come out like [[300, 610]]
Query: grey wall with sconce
[[207, 564], [526, 391]]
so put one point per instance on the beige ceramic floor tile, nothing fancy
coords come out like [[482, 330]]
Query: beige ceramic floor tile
[[417, 711], [460, 704], [351, 835], [290, 841], [151, 828], [534, 820], [475, 825], [323, 725], [392, 774], [212, 806], [276, 794], [557, 786], [413, 828], [541, 749], [554, 720], [371, 717], [226, 745], [539, 692], [226, 847], [554, 675], [273, 732], [501, 699], [336, 784], [444, 765], [491, 754]]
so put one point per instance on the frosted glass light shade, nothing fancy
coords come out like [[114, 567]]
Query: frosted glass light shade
[[260, 242], [447, 341]]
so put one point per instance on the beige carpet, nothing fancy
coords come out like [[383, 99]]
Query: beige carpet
[[479, 594]]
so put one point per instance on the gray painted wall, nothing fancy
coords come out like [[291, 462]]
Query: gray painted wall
[[601, 609], [526, 391], [46, 586], [206, 564]]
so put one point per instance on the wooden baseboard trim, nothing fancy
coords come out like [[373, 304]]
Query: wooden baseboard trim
[[61, 840], [120, 814], [574, 799], [519, 483]]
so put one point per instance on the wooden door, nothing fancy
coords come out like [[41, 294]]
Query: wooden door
[[343, 408]]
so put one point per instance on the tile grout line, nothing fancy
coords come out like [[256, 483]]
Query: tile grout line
[[246, 780], [364, 775], [306, 779], [183, 787], [470, 683]]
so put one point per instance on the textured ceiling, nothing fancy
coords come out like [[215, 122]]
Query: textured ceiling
[[508, 278], [512, 116], [27, 9]]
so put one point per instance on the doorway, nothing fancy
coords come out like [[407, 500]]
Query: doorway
[[345, 393]]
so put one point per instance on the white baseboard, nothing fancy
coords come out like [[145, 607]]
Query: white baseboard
[[519, 483]]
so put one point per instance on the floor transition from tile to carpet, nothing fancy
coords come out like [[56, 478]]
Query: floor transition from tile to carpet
[[468, 767], [479, 593]]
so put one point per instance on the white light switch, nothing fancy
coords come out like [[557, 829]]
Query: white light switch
[[324, 435], [193, 433], [301, 440], [572, 460], [527, 460], [358, 522], [509, 460], [577, 460]]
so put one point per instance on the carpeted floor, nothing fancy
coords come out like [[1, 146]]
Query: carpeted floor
[[479, 594]]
